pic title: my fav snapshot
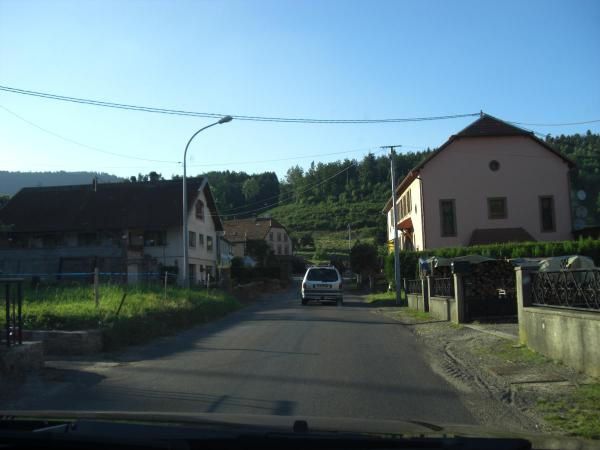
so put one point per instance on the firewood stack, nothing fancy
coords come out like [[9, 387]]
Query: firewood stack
[[491, 279]]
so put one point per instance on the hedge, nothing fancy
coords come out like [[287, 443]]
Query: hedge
[[409, 260]]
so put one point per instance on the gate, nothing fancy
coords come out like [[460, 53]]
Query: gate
[[489, 299]]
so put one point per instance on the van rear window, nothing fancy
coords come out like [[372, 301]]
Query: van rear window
[[322, 275]]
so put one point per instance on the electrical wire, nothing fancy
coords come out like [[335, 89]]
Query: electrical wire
[[177, 112], [80, 144], [90, 147], [557, 124]]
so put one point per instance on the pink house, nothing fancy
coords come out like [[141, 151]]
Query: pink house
[[491, 182]]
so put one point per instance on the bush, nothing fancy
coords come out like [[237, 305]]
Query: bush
[[409, 260]]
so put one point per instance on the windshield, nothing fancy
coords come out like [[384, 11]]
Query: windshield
[[342, 209], [322, 275]]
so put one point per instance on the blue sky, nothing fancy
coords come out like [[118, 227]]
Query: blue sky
[[533, 61]]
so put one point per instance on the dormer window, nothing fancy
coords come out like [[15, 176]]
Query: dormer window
[[200, 209]]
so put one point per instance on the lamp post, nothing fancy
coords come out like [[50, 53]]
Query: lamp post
[[186, 280]]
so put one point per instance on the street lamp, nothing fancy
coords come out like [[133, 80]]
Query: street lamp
[[185, 208]]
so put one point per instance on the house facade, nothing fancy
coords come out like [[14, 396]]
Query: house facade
[[492, 182], [131, 229], [239, 232]]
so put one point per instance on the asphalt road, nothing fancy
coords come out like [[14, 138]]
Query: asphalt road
[[274, 357]]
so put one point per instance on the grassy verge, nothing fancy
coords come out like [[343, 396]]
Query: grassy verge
[[577, 414], [512, 352], [145, 312], [387, 298]]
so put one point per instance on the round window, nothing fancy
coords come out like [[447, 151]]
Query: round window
[[494, 165]]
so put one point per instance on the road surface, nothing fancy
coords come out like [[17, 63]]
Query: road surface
[[274, 357]]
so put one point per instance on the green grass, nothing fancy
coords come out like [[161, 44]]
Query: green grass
[[387, 298], [510, 351], [577, 414], [145, 312]]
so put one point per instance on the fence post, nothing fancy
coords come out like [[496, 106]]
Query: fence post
[[429, 293], [96, 286], [523, 291], [459, 298]]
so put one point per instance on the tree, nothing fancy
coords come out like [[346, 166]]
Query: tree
[[363, 260], [260, 251], [306, 240], [250, 189]]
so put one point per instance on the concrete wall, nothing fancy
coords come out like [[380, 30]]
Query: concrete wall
[[413, 300], [566, 335], [444, 308], [527, 171]]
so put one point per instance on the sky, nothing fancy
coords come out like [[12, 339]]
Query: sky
[[525, 61]]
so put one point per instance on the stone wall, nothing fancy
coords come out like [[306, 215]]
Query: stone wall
[[18, 360], [67, 342]]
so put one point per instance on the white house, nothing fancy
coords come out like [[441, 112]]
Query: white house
[[491, 182], [121, 228]]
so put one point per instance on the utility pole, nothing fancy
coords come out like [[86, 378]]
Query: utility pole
[[395, 220]]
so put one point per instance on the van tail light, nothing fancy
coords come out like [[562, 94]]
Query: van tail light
[[341, 285]]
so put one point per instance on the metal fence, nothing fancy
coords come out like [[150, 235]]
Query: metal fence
[[414, 287], [573, 289], [442, 287], [13, 298]]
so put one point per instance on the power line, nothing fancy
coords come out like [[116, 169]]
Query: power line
[[80, 144], [90, 147], [557, 124], [283, 159], [177, 112]]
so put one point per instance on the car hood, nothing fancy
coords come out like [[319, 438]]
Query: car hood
[[285, 424]]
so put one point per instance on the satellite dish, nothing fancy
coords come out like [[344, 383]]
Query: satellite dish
[[581, 195], [581, 212], [579, 224]]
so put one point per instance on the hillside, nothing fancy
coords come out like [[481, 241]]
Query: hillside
[[12, 182]]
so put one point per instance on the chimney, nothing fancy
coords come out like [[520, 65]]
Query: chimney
[[95, 184]]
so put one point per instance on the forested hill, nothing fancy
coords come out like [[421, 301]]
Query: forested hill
[[584, 149], [12, 182]]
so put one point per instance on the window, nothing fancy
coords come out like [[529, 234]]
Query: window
[[547, 213], [278, 236], [448, 217], [200, 209], [200, 240], [286, 250], [192, 238], [155, 238], [209, 271], [497, 208], [279, 249], [209, 243]]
